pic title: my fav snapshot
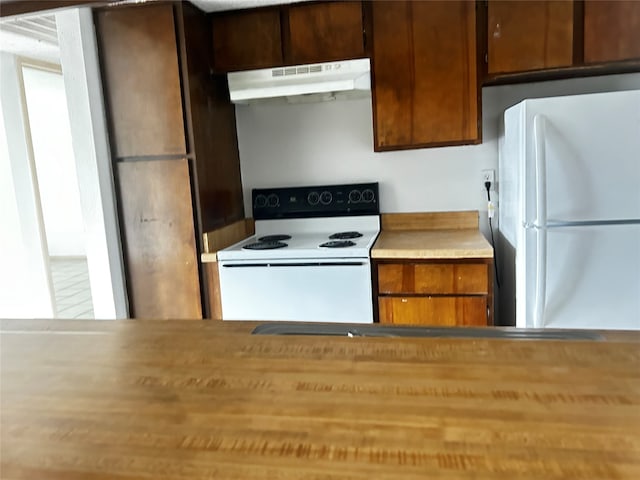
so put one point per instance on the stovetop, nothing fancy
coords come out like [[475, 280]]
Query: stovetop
[[315, 222], [312, 238]]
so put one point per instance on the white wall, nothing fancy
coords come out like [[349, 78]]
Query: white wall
[[55, 162], [25, 280], [325, 143], [79, 59]]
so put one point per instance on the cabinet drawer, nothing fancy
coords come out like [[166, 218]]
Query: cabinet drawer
[[436, 278], [433, 310]]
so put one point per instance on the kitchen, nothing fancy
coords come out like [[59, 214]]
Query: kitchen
[[308, 407], [294, 145], [329, 143]]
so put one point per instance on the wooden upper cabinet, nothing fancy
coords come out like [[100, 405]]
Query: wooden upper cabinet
[[141, 80], [288, 35], [323, 32], [425, 84], [611, 31], [247, 39], [525, 36]]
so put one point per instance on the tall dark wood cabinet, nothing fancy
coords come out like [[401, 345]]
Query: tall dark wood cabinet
[[425, 74], [174, 149]]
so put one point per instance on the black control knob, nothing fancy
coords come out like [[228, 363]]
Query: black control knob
[[273, 200], [368, 196], [260, 201], [355, 196], [326, 197], [313, 198]]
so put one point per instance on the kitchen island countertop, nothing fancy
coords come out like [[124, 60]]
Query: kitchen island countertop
[[140, 399]]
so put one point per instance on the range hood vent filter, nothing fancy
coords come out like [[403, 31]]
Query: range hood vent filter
[[318, 82]]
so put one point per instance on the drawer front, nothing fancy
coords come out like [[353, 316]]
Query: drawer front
[[434, 278], [433, 310]]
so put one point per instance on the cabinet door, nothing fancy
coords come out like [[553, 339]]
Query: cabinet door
[[433, 310], [213, 124], [424, 74], [323, 32], [141, 80], [247, 40], [159, 240], [529, 35], [433, 278], [611, 31]]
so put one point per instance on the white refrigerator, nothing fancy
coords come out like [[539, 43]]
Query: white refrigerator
[[569, 211]]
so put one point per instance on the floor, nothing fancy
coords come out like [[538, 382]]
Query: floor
[[71, 287]]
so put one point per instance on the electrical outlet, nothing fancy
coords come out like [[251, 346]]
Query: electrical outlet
[[489, 175]]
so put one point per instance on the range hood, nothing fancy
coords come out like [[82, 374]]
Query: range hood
[[302, 83]]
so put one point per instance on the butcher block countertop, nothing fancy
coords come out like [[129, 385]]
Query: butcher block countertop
[[431, 235], [431, 244], [136, 399]]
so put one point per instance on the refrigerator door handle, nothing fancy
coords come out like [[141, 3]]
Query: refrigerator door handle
[[539, 133], [591, 223], [540, 220]]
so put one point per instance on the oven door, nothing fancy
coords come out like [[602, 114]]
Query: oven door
[[297, 290]]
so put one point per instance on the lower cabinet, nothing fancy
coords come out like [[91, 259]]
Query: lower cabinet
[[435, 292], [430, 310]]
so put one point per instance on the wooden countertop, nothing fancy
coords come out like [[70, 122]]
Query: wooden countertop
[[431, 244], [138, 399]]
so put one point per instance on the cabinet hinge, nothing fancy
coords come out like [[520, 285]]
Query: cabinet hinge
[[486, 58]]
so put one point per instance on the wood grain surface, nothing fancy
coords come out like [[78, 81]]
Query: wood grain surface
[[322, 32], [156, 219], [529, 35], [611, 31], [247, 39], [462, 219], [424, 74], [206, 400], [431, 244], [141, 80]]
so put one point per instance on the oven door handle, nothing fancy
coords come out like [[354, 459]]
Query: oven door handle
[[295, 264]]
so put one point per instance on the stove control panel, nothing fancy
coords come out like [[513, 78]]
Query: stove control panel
[[316, 201]]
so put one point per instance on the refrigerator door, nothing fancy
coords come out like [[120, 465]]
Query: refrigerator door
[[583, 277], [582, 158]]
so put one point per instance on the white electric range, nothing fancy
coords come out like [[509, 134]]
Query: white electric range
[[309, 258]]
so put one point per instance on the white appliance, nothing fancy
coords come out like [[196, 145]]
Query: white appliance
[[311, 260], [569, 210], [317, 82]]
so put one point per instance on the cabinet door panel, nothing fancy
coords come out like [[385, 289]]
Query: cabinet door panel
[[247, 40], [611, 31], [159, 239], [142, 80], [436, 278], [529, 35], [326, 31], [424, 74], [433, 310], [213, 123]]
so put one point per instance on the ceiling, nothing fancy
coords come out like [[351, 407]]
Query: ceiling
[[31, 36], [34, 36]]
